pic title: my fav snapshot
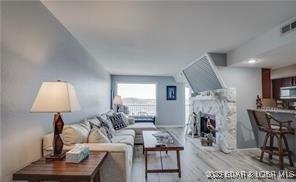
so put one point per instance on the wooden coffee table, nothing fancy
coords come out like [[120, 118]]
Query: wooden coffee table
[[150, 143], [87, 170]]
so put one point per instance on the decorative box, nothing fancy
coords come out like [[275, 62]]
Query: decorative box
[[77, 154]]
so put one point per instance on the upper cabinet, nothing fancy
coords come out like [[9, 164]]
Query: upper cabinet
[[287, 82], [281, 82]]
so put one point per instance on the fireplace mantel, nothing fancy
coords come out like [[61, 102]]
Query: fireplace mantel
[[222, 104], [204, 98]]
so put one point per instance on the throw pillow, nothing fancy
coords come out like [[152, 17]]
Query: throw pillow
[[103, 130], [111, 127], [103, 117], [124, 118], [110, 113], [96, 136], [107, 125], [117, 121], [94, 122], [76, 133]]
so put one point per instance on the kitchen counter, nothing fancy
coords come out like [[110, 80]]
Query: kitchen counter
[[275, 110]]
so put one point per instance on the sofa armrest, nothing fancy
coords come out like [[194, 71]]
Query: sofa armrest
[[47, 143], [118, 162]]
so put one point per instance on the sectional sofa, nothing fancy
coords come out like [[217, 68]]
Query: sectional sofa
[[118, 164]]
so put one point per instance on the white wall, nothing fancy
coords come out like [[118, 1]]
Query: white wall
[[35, 48], [284, 72], [247, 82], [169, 112], [0, 93]]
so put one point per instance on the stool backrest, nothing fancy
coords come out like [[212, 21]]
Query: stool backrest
[[261, 120]]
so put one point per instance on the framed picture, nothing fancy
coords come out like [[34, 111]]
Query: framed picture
[[171, 93]]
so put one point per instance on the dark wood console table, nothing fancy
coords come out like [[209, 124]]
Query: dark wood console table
[[87, 170]]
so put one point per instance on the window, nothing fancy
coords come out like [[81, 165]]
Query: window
[[140, 98]]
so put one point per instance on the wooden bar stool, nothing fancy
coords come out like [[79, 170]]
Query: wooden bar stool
[[274, 128]]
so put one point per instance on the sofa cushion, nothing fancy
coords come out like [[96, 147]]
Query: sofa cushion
[[96, 136], [76, 133], [126, 132], [126, 139], [139, 127], [117, 121]]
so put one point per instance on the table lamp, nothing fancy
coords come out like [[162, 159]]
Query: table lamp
[[56, 97], [117, 102]]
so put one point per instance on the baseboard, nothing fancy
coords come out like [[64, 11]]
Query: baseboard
[[251, 148], [170, 126]]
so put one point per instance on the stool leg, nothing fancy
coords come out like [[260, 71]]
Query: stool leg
[[281, 157], [288, 150], [271, 145], [264, 146]]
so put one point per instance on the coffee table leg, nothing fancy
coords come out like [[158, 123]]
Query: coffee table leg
[[146, 165], [97, 177], [178, 163]]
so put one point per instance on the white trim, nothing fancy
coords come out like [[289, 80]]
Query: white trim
[[251, 148], [169, 126]]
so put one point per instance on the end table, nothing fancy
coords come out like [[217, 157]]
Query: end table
[[87, 170]]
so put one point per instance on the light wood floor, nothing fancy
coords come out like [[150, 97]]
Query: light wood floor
[[195, 161]]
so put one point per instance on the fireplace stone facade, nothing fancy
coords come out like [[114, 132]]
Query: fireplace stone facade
[[222, 105]]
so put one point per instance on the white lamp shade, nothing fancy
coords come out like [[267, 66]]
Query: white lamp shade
[[117, 100], [56, 96]]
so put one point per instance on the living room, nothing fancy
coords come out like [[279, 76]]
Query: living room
[[140, 71]]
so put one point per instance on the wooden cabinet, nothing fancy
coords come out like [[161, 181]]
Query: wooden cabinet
[[281, 82], [266, 83], [276, 85], [287, 82]]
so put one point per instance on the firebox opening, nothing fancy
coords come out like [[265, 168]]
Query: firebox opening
[[204, 125]]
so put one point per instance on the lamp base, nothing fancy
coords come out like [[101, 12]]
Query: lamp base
[[57, 142], [59, 157]]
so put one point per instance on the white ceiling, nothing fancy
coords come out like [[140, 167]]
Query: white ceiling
[[283, 56], [276, 58], [159, 38]]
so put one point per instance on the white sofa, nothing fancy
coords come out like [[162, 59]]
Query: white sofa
[[118, 164]]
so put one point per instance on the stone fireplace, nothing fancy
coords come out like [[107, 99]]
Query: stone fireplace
[[220, 106]]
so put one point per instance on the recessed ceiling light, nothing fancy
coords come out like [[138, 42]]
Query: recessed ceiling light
[[252, 61]]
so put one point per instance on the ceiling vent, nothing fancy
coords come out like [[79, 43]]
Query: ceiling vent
[[288, 27], [202, 75]]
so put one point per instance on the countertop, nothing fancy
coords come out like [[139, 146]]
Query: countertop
[[274, 110]]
